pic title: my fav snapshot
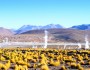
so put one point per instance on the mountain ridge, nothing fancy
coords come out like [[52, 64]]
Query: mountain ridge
[[55, 34], [82, 27], [33, 27], [26, 28]]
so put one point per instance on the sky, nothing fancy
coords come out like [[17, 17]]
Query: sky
[[16, 13]]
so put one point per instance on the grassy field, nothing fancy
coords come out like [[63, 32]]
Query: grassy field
[[44, 59]]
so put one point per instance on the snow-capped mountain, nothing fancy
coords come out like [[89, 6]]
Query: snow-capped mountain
[[52, 26], [32, 27]]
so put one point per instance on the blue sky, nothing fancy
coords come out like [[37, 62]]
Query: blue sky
[[16, 13]]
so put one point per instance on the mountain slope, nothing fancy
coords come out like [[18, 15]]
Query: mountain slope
[[5, 32], [27, 28], [82, 27], [62, 35]]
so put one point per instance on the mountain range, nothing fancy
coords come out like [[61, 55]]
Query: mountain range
[[33, 27], [26, 28], [57, 33], [50, 26]]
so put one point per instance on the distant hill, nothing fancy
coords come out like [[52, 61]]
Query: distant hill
[[5, 32], [62, 35], [31, 27], [82, 27]]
